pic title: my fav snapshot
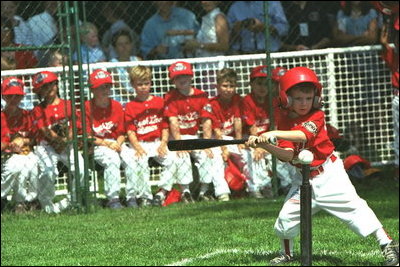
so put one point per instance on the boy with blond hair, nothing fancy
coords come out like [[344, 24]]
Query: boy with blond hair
[[147, 132]]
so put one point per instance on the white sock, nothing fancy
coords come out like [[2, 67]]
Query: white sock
[[203, 189], [161, 194], [382, 237], [185, 188]]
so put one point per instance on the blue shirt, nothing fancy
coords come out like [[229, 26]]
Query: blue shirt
[[355, 26], [155, 28], [94, 54], [250, 41]]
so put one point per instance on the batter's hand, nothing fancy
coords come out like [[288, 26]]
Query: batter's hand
[[252, 141], [266, 137]]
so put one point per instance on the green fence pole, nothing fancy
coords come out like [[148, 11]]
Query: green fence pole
[[274, 181], [82, 106]]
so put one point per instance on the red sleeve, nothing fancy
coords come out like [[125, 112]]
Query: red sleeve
[[119, 111], [129, 117], [38, 117], [88, 110], [248, 111], [5, 131]]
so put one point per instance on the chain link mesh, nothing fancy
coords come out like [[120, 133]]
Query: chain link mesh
[[357, 90]]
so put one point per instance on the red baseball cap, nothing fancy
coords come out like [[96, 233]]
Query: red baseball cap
[[180, 68], [260, 71], [99, 77], [42, 78], [12, 86], [277, 73]]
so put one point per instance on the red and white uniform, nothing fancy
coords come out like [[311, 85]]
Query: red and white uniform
[[50, 116], [19, 172], [332, 190], [107, 123], [190, 110], [223, 116], [257, 114], [146, 119]]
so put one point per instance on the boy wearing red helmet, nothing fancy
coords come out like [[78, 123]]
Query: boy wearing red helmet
[[52, 117], [303, 127], [18, 135]]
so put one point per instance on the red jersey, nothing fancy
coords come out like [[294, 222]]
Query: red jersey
[[223, 114], [5, 132], [255, 113], [52, 115], [21, 125], [188, 109], [105, 123], [314, 127], [392, 60], [146, 118]]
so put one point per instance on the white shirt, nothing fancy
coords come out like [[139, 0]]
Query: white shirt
[[208, 34]]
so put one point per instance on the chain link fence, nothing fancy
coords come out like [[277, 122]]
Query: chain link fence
[[72, 39]]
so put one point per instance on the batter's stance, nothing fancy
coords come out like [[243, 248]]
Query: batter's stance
[[303, 127]]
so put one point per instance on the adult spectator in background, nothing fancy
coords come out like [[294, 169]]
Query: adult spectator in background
[[122, 44], [114, 12], [213, 36], [246, 19], [165, 32], [23, 34], [356, 24], [44, 25], [309, 26], [390, 33], [90, 49], [11, 60]]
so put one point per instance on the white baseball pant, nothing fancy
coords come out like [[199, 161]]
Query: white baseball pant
[[333, 192], [20, 173], [48, 172], [138, 171]]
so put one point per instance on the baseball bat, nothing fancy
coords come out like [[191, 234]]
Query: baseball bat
[[305, 217], [193, 144]]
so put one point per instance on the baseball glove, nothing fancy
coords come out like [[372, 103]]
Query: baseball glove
[[61, 129], [16, 146]]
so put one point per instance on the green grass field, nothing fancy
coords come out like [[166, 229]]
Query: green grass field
[[239, 232]]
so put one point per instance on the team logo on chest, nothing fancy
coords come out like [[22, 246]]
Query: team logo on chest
[[104, 128]]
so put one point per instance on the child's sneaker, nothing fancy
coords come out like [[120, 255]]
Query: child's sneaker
[[391, 253], [283, 258]]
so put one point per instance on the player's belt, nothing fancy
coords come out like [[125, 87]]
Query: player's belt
[[320, 169]]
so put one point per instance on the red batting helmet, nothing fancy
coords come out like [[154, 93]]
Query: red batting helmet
[[296, 76], [180, 68], [12, 86], [42, 78], [351, 160], [99, 77]]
